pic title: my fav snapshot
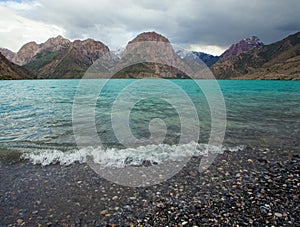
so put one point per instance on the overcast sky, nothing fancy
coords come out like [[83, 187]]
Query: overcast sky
[[210, 26]]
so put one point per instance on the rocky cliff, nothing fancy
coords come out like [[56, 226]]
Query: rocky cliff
[[154, 57]]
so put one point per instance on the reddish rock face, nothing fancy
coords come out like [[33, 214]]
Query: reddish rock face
[[60, 58], [149, 36], [26, 53], [240, 47], [29, 50], [88, 50], [150, 55], [55, 44]]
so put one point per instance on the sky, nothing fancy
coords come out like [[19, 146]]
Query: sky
[[210, 26]]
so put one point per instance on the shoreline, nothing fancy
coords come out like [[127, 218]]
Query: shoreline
[[154, 78], [250, 187]]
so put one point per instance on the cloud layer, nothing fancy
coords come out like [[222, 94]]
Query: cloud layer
[[207, 25]]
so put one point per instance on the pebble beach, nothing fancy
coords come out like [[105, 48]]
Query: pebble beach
[[253, 187]]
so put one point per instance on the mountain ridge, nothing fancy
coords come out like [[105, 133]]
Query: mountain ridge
[[249, 58], [61, 58], [275, 61]]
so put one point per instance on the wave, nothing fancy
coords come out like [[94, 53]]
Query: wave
[[120, 158]]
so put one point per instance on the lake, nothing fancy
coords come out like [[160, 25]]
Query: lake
[[37, 117]]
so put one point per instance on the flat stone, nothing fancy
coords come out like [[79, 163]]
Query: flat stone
[[277, 214]]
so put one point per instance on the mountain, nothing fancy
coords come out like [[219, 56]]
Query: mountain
[[240, 47], [199, 57], [149, 36], [7, 53], [31, 49], [61, 58], [26, 53], [152, 56], [279, 60], [10, 71]]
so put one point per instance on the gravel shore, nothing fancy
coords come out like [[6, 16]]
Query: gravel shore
[[254, 187]]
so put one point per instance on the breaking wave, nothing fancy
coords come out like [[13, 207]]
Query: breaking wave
[[120, 158]]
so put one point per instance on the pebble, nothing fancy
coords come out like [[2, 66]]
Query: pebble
[[266, 191], [104, 212], [20, 221]]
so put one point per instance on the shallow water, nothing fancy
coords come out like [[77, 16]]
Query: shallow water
[[36, 116]]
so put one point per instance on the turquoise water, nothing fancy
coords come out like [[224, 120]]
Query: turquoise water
[[38, 113]]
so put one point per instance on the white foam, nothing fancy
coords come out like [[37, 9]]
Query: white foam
[[119, 158]]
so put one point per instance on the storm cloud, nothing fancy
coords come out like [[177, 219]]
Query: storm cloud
[[206, 25]]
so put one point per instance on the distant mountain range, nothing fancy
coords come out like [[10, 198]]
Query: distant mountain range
[[60, 58], [200, 57]]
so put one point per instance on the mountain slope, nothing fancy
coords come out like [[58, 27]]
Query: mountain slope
[[7, 53], [65, 59], [242, 46], [10, 71], [279, 60], [60, 58]]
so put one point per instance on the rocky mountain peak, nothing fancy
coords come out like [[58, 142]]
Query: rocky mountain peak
[[90, 44], [56, 43], [88, 50], [90, 47], [149, 36], [253, 40], [242, 46], [26, 53]]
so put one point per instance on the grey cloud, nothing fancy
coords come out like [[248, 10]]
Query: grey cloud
[[219, 23]]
